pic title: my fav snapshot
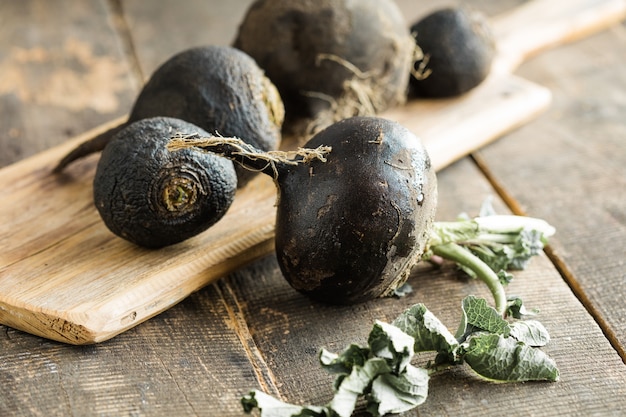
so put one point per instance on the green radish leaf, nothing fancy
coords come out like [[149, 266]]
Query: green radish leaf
[[354, 355], [509, 242], [529, 243], [271, 407], [531, 332], [398, 393], [389, 354], [391, 343], [516, 309], [479, 316], [507, 251], [501, 241], [500, 358], [429, 332], [505, 277], [496, 255], [356, 384], [403, 290], [382, 374]]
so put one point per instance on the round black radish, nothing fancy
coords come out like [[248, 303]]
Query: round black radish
[[218, 88], [350, 229], [352, 223], [153, 197], [352, 57], [458, 49]]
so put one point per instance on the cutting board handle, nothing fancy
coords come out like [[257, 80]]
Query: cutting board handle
[[541, 24]]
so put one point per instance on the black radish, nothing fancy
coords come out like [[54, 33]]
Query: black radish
[[153, 197], [457, 47], [330, 59]]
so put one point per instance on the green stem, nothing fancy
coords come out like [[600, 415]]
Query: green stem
[[462, 256]]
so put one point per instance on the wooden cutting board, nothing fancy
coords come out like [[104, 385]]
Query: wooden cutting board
[[65, 277]]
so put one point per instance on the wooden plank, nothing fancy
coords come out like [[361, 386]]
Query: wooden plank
[[216, 23], [35, 288], [537, 26], [62, 73], [290, 329], [193, 360], [575, 157], [186, 361], [163, 368]]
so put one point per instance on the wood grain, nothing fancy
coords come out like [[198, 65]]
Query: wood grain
[[191, 362], [62, 73], [539, 25]]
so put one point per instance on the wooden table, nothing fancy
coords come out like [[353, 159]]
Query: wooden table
[[69, 66]]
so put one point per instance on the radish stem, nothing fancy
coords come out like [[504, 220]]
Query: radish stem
[[455, 252]]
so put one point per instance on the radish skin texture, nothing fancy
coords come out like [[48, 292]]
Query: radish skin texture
[[155, 198], [350, 229], [458, 48]]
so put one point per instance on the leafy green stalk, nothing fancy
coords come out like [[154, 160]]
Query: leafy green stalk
[[500, 358], [272, 407], [502, 241], [382, 373], [493, 347], [486, 247], [464, 257]]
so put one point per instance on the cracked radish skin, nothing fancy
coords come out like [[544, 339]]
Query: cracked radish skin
[[350, 229], [156, 198]]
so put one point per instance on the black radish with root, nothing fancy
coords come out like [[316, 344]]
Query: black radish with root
[[330, 59], [458, 48], [355, 208], [153, 197], [217, 88]]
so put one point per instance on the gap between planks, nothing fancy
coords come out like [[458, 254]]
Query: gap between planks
[[122, 28], [263, 373], [555, 259]]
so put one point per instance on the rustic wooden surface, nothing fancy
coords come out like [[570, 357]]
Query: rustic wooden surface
[[250, 330], [66, 238]]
